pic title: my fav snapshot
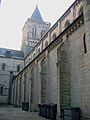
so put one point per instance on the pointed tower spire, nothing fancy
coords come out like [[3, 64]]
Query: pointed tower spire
[[36, 16]]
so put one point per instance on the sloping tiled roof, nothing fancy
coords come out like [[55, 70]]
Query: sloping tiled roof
[[36, 16], [11, 53]]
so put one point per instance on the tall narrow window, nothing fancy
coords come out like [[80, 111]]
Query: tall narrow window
[[1, 90], [42, 33], [34, 55], [3, 66], [84, 41], [34, 32], [25, 87], [38, 50], [46, 43], [18, 68], [20, 85]]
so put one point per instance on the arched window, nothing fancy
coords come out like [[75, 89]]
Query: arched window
[[3, 66], [34, 55], [33, 32], [41, 33], [18, 68], [46, 43], [80, 11], [54, 36], [38, 50], [29, 59], [1, 90], [67, 23]]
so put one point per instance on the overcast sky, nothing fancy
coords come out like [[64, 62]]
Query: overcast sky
[[14, 13]]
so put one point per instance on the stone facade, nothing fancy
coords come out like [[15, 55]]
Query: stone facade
[[10, 66], [57, 68], [57, 73], [66, 19]]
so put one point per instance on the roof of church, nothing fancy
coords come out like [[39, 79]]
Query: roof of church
[[11, 53], [36, 16]]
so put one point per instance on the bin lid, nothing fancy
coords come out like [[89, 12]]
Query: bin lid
[[72, 107], [52, 104]]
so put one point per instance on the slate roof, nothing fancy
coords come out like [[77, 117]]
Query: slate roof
[[11, 53], [36, 16]]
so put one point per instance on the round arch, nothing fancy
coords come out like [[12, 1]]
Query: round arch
[[46, 43], [2, 89]]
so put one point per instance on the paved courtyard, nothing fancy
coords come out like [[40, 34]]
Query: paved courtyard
[[13, 113]]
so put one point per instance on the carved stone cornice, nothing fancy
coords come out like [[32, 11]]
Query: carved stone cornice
[[75, 26], [55, 43], [68, 31]]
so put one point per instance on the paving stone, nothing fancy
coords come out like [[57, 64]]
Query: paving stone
[[14, 113]]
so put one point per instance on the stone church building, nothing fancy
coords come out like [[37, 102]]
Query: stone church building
[[55, 67], [12, 61]]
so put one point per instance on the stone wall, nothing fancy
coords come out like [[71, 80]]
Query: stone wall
[[60, 74], [64, 75], [7, 74], [34, 88], [79, 72]]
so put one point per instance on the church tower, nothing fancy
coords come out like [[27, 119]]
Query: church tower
[[33, 30]]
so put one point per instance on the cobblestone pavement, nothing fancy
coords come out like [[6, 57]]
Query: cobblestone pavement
[[13, 113]]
